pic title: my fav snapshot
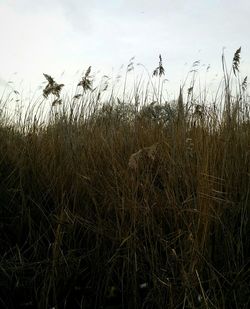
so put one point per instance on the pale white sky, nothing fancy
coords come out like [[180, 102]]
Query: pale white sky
[[52, 36]]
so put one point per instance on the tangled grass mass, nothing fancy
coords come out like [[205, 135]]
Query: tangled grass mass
[[127, 203]]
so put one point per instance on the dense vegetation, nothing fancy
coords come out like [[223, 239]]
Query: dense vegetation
[[127, 205]]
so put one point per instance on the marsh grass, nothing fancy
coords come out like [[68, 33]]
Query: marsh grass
[[119, 205]]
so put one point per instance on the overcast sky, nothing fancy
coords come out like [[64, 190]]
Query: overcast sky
[[52, 36]]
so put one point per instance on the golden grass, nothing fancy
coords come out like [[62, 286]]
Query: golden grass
[[127, 207]]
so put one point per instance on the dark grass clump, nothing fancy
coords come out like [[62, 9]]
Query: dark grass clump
[[127, 207]]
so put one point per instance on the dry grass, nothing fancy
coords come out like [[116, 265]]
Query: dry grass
[[127, 207]]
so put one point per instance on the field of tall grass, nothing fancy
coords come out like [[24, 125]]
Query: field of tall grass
[[121, 203]]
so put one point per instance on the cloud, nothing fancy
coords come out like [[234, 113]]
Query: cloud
[[32, 42], [56, 35]]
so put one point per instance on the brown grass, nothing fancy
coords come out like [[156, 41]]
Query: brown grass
[[127, 207]]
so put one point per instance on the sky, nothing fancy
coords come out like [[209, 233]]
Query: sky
[[63, 37]]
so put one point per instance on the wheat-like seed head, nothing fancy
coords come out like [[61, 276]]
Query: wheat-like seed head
[[236, 61]]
